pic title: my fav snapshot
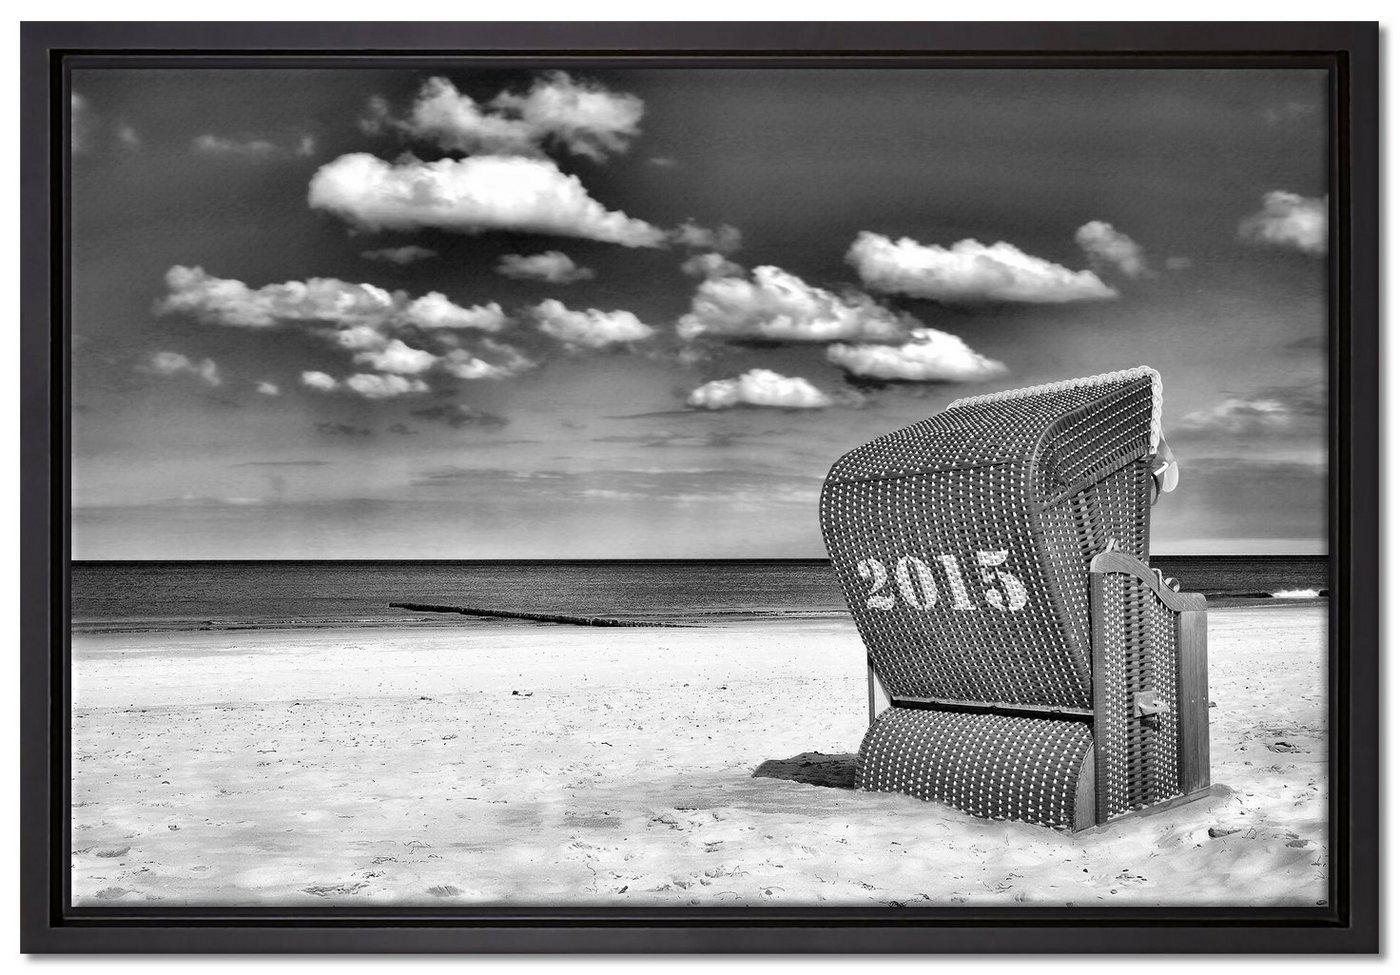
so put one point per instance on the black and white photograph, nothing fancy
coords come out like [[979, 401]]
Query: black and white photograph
[[541, 483]]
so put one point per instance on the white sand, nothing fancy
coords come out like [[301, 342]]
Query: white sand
[[396, 766]]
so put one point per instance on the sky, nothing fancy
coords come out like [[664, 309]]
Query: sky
[[638, 313]]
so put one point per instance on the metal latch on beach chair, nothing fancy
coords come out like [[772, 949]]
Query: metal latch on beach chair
[[1165, 474], [1166, 582], [1148, 705], [1163, 582]]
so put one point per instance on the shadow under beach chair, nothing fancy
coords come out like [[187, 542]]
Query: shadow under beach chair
[[1025, 662]]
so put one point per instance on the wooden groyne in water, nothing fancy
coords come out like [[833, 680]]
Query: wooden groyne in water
[[535, 617]]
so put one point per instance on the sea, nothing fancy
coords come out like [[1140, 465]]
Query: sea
[[227, 595]]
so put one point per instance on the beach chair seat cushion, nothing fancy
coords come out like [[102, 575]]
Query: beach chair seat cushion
[[991, 765]]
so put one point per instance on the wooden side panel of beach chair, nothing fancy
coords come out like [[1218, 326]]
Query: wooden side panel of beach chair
[[963, 544], [1151, 716]]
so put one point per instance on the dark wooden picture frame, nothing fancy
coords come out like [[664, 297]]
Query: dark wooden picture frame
[[1348, 923]]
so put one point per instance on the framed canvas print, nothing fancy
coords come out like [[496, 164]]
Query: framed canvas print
[[725, 487]]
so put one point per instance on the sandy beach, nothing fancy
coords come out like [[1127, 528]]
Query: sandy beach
[[536, 764]]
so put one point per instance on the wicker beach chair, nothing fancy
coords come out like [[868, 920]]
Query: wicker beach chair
[[1025, 663]]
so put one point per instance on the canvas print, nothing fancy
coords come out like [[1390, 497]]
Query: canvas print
[[538, 484]]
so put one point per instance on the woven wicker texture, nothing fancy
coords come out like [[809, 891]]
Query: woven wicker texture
[[989, 765], [1136, 762], [962, 542]]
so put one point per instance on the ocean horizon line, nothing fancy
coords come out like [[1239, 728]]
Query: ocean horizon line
[[210, 593], [756, 560]]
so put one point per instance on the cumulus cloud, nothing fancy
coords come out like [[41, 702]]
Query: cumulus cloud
[[269, 389], [397, 357], [399, 255], [759, 387], [357, 337], [225, 301], [436, 310], [363, 313], [1235, 415], [489, 360], [385, 331], [968, 271], [1289, 220], [591, 328], [178, 364], [1111, 248], [471, 195], [724, 238], [777, 306], [580, 117], [555, 267], [1276, 410], [374, 386], [928, 356], [366, 384], [711, 265]]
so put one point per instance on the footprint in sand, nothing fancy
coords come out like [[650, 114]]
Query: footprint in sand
[[444, 890], [333, 890], [112, 893], [114, 851]]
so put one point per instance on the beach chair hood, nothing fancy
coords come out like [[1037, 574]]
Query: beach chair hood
[[972, 531]]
